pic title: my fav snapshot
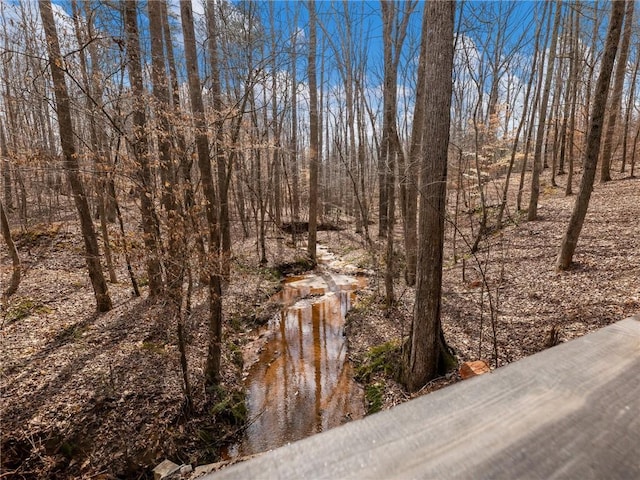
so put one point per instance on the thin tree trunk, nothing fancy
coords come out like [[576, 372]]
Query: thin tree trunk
[[277, 192], [140, 146], [616, 95], [222, 168], [566, 111], [175, 262], [185, 160], [592, 62], [70, 164], [415, 153], [576, 63], [523, 118], [534, 111], [294, 165], [628, 113], [483, 202], [633, 152], [532, 213], [101, 183], [212, 371], [14, 283], [394, 28], [314, 134], [570, 239], [554, 124], [6, 170]]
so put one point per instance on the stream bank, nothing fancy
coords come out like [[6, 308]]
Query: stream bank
[[298, 378]]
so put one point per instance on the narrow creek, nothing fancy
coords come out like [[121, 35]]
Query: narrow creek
[[301, 381]]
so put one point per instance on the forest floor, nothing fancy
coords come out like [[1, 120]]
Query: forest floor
[[100, 396]]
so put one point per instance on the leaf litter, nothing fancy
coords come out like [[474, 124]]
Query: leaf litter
[[100, 395]]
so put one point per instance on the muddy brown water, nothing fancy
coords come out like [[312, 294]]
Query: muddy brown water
[[301, 381]]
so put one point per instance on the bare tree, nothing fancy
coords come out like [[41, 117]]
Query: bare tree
[[427, 349], [532, 213], [616, 94], [176, 245], [71, 166], [13, 253], [631, 101], [293, 154], [314, 134], [223, 170], [212, 372], [140, 146], [575, 70], [96, 138], [521, 123], [570, 239], [394, 28]]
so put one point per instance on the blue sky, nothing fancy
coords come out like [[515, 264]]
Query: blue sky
[[477, 22]]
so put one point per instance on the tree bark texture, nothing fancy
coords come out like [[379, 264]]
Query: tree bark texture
[[212, 372], [313, 134], [223, 173], [140, 146], [415, 152], [570, 239], [616, 94], [532, 213], [425, 347], [14, 283], [70, 163], [175, 261]]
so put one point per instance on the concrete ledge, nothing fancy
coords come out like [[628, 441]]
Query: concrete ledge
[[572, 411]]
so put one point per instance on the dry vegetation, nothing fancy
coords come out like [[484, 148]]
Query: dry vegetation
[[532, 306], [86, 394]]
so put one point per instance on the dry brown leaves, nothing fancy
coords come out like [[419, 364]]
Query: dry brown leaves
[[101, 394]]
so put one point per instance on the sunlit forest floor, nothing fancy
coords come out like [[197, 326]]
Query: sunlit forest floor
[[100, 395], [508, 300]]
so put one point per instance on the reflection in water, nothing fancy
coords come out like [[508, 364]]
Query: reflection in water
[[302, 383]]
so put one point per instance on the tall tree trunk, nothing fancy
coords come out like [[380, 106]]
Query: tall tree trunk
[[294, 163], [553, 123], [633, 152], [427, 350], [70, 164], [394, 28], [185, 160], [277, 161], [96, 80], [6, 170], [140, 146], [532, 213], [628, 114], [415, 153], [523, 118], [96, 147], [566, 109], [223, 170], [616, 95], [212, 371], [577, 67], [14, 283], [314, 134], [175, 262], [570, 239], [592, 62], [387, 200], [534, 110]]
